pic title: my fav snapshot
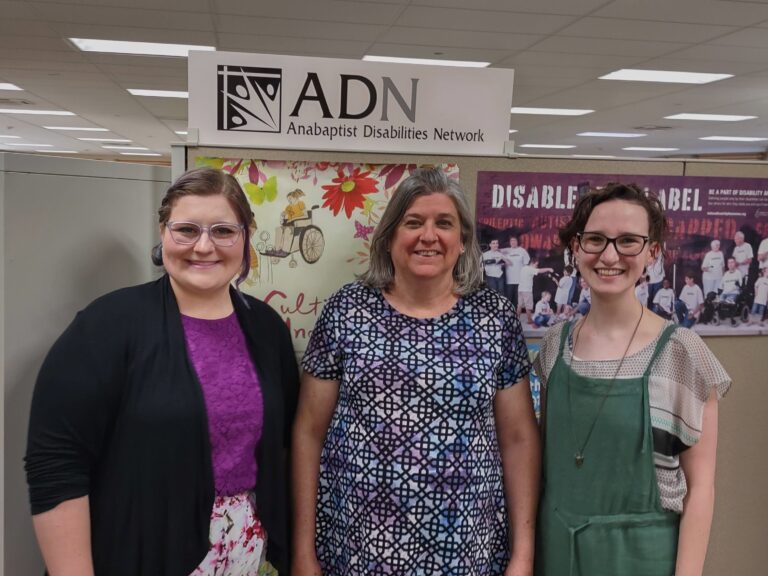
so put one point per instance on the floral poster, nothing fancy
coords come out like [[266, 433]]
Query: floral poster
[[314, 224]]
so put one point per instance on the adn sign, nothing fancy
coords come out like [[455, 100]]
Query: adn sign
[[268, 101]]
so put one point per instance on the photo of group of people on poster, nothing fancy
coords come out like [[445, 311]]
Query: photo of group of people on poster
[[712, 275]]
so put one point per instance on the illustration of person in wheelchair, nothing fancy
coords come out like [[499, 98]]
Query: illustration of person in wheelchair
[[296, 233]]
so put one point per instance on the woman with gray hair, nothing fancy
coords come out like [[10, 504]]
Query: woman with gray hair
[[415, 445]]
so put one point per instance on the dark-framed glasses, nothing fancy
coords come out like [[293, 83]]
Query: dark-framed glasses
[[221, 234], [626, 244]]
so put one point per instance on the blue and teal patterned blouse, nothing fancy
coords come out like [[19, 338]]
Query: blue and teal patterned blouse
[[410, 473]]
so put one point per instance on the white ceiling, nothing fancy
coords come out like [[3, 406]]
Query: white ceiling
[[558, 49]]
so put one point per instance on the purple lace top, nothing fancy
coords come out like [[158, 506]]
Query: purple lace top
[[233, 399]]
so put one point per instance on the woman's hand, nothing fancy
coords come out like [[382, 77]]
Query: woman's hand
[[519, 567]]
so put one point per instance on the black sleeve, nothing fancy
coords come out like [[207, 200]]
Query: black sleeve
[[290, 371], [73, 406]]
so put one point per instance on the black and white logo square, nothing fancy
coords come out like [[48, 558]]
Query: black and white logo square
[[249, 99]]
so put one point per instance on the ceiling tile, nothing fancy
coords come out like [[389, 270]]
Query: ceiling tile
[[572, 45], [572, 7], [457, 38], [505, 22], [139, 18], [289, 27], [622, 29], [318, 10], [692, 11], [749, 37], [724, 54]]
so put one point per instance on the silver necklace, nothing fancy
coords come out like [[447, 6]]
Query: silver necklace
[[578, 455]]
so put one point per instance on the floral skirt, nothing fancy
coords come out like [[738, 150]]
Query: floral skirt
[[238, 540]]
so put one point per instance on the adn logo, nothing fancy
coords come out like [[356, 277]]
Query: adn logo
[[249, 99]]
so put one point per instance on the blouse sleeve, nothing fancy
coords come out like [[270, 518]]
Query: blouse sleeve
[[688, 373], [515, 364], [73, 405], [323, 358], [548, 350]]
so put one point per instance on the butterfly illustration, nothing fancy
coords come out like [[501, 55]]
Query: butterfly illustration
[[362, 231]]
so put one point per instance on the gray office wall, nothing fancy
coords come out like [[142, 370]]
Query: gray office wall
[[72, 230]]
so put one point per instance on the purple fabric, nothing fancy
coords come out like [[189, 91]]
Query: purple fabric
[[233, 399]]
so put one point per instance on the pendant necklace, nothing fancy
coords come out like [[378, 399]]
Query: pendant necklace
[[578, 456]]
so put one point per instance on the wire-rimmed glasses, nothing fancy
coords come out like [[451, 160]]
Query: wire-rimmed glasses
[[625, 244], [221, 234]]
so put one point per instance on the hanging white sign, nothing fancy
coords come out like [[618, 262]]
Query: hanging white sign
[[264, 100]]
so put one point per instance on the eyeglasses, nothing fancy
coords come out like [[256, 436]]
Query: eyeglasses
[[626, 244], [221, 234]]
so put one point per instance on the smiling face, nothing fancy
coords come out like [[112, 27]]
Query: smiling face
[[610, 273], [427, 242], [494, 244], [202, 268]]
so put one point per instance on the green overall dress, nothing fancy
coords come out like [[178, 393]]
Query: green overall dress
[[603, 518]]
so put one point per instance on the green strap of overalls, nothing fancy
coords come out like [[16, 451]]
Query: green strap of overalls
[[604, 518]]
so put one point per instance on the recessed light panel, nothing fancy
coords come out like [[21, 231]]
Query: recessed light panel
[[9, 86], [139, 154], [553, 146], [135, 148], [710, 117], [650, 149], [141, 48], [36, 112], [672, 77], [426, 61], [159, 93], [612, 134], [734, 139], [118, 140], [550, 111], [76, 128]]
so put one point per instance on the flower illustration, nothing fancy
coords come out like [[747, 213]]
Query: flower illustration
[[348, 192]]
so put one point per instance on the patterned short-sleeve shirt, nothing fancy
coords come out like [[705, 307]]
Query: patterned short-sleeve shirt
[[410, 472]]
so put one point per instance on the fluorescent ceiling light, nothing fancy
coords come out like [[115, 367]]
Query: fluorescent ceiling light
[[58, 151], [650, 149], [592, 156], [142, 48], [512, 131], [612, 134], [159, 93], [734, 139], [181, 132], [558, 146], [39, 112], [29, 145], [76, 128], [550, 111], [8, 136], [8, 86], [123, 140], [673, 77], [137, 148], [710, 117], [140, 154], [426, 61]]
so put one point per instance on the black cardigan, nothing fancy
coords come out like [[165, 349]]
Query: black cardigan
[[118, 414]]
